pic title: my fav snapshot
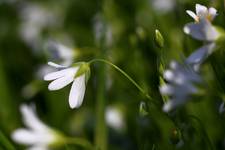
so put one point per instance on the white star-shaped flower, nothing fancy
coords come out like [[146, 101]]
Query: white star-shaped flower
[[202, 29], [37, 135], [77, 74]]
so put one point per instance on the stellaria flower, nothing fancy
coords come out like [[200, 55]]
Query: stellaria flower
[[79, 74], [180, 84], [37, 135], [202, 29]]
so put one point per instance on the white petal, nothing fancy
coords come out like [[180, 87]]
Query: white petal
[[38, 147], [31, 120], [168, 106], [77, 92], [59, 74], [195, 30], [61, 82], [201, 11], [212, 12], [201, 31], [56, 65], [200, 54], [168, 75], [29, 137], [166, 89], [192, 14], [24, 136], [211, 33], [174, 65]]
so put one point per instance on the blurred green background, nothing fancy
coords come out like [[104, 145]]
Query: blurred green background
[[128, 28]]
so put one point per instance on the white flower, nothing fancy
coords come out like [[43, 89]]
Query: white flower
[[37, 135], [78, 74], [202, 29], [180, 84], [202, 12], [114, 118]]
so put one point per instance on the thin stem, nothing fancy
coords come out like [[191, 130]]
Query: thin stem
[[125, 74]]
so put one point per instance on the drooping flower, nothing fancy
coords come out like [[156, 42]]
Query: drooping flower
[[37, 135], [181, 80], [78, 74], [202, 29]]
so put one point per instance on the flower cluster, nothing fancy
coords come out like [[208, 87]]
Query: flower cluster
[[181, 78]]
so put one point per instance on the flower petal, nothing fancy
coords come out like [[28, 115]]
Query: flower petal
[[201, 31], [166, 89], [59, 74], [77, 92], [201, 10], [38, 147], [61, 82], [200, 54], [31, 120], [192, 14], [52, 64], [24, 136], [212, 13]]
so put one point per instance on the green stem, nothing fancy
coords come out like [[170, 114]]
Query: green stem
[[80, 142], [125, 74], [101, 129], [6, 142]]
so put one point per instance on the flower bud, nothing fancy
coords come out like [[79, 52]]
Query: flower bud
[[159, 40]]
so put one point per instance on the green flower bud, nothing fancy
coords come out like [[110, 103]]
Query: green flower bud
[[159, 40]]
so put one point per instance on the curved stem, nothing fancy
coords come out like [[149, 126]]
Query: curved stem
[[125, 74]]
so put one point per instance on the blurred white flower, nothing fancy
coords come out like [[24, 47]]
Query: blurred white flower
[[35, 17], [60, 52], [200, 55], [202, 29], [114, 118], [78, 74], [37, 135], [163, 6], [180, 84]]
